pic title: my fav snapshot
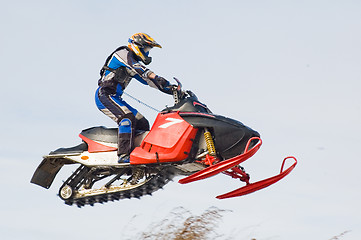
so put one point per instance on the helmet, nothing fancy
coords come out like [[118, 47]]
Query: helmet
[[140, 44]]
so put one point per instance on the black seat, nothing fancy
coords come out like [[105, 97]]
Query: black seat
[[103, 134], [71, 150]]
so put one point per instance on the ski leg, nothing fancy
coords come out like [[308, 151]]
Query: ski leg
[[252, 187]]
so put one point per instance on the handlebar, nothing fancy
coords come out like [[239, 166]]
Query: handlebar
[[178, 93]]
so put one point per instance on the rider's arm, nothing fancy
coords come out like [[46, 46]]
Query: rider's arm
[[162, 84], [146, 76], [152, 75]]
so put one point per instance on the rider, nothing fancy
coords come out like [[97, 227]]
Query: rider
[[119, 68]]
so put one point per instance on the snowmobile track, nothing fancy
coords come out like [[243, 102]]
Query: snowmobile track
[[155, 183]]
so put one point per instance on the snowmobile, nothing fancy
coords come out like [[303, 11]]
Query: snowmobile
[[186, 140]]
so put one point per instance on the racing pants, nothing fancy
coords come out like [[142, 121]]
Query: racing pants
[[127, 118]]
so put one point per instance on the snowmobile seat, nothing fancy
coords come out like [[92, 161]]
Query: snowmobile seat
[[102, 134], [71, 150]]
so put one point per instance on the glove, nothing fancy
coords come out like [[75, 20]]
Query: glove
[[163, 84], [161, 81]]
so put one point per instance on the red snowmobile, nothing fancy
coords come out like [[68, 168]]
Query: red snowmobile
[[186, 139]]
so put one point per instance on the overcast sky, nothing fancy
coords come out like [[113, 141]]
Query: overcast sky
[[289, 69]]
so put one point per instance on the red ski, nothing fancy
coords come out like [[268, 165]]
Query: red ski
[[252, 187], [236, 172]]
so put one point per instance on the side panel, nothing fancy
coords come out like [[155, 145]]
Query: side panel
[[169, 140], [230, 136], [167, 130]]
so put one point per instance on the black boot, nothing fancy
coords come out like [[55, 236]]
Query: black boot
[[125, 140]]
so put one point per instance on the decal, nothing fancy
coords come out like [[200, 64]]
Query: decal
[[171, 122]]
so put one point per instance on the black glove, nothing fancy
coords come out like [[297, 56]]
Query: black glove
[[161, 81], [163, 84]]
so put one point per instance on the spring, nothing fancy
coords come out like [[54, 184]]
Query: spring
[[210, 144], [138, 173]]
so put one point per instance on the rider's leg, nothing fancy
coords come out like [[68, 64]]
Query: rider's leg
[[126, 116], [126, 136]]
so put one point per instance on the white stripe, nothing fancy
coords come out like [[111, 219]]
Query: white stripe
[[138, 116], [120, 59], [109, 114], [171, 122]]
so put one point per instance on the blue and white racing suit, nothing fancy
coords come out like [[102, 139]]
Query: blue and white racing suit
[[119, 69]]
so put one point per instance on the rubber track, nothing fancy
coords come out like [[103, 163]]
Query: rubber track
[[155, 183]]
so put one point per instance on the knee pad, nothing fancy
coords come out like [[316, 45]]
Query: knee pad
[[125, 126]]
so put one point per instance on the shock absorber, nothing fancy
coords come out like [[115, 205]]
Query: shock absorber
[[209, 141]]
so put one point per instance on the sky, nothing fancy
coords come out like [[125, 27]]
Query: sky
[[288, 69]]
